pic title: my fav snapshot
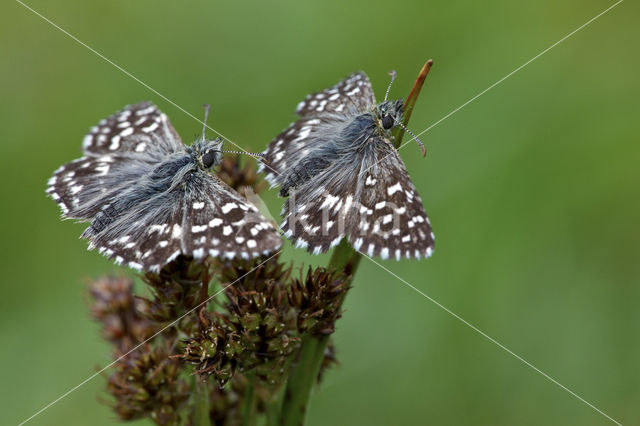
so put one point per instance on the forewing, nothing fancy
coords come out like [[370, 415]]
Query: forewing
[[202, 218], [118, 151], [390, 220], [355, 91], [138, 129], [82, 187]]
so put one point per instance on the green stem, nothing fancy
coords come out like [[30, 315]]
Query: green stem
[[301, 380], [304, 372], [273, 408], [201, 408], [249, 403]]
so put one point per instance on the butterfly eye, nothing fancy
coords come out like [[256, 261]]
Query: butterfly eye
[[208, 158], [387, 121]]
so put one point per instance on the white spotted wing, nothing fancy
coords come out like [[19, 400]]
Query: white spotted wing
[[148, 202]]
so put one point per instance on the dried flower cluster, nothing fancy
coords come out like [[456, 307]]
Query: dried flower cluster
[[147, 381], [250, 331]]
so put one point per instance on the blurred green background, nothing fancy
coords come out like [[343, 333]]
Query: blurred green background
[[533, 190]]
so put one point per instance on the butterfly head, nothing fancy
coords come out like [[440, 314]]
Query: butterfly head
[[389, 113], [208, 153]]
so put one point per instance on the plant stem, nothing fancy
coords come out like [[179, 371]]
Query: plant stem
[[249, 403], [274, 407], [201, 408], [301, 380], [304, 372]]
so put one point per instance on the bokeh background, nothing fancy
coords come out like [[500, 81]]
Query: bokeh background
[[533, 190]]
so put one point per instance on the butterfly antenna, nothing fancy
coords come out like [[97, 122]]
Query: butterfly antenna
[[424, 150], [392, 73], [254, 154], [206, 107]]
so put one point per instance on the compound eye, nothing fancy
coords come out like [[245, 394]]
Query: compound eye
[[208, 158], [387, 121]]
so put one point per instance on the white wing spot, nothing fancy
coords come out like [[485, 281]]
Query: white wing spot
[[384, 253], [371, 249], [147, 110], [393, 189], [150, 128], [215, 222], [115, 143], [228, 207], [353, 92], [127, 132]]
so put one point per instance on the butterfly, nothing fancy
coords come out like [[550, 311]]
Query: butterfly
[[344, 177], [149, 198]]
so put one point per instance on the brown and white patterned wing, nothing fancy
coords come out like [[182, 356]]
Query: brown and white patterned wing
[[355, 91], [202, 218], [136, 129], [391, 221], [118, 151]]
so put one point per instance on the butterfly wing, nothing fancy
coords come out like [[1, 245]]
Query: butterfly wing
[[355, 91], [203, 217], [322, 113], [118, 151], [368, 197], [390, 220], [136, 129]]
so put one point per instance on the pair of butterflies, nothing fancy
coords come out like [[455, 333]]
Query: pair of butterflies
[[149, 198]]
